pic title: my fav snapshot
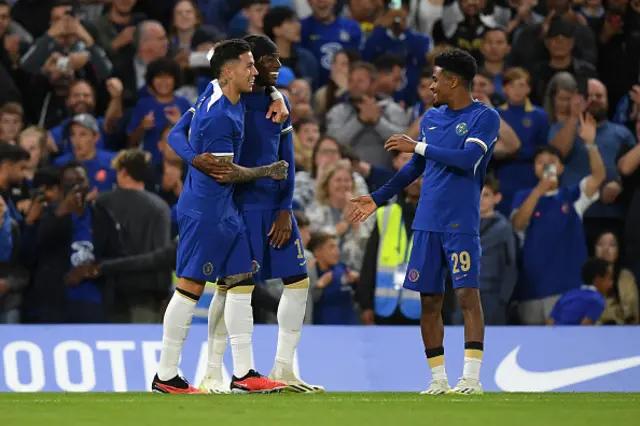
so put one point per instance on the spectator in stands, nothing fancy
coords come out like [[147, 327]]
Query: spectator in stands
[[306, 136], [551, 265], [13, 44], [336, 281], [364, 122], [560, 41], [376, 176], [389, 76], [326, 152], [336, 88], [499, 272], [336, 187], [519, 14], [68, 37], [146, 224], [34, 141], [82, 99], [300, 99], [153, 113], [618, 37], [187, 32], [494, 49], [594, 13], [254, 12], [12, 164], [380, 293], [484, 89], [585, 305], [116, 29], [324, 35], [424, 14], [531, 125], [365, 12], [529, 48], [466, 32], [392, 36], [560, 97], [11, 122], [84, 132], [609, 138], [151, 43], [14, 278], [424, 103], [622, 301], [72, 235], [281, 25]]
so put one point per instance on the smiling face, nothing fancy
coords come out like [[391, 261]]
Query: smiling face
[[442, 86], [184, 16], [268, 67], [242, 73]]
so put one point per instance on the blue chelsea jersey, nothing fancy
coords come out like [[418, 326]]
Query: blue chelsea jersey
[[450, 197]]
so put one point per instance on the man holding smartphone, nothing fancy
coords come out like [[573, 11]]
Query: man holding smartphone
[[548, 221]]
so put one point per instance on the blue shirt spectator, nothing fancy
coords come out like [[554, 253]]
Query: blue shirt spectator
[[324, 35], [406, 43], [584, 306], [548, 221], [84, 133], [531, 125]]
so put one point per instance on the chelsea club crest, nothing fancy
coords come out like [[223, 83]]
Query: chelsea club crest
[[207, 268], [462, 129]]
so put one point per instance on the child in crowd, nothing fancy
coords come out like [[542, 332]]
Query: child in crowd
[[336, 281]]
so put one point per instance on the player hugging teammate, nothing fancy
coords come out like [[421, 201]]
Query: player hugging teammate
[[235, 222], [457, 139]]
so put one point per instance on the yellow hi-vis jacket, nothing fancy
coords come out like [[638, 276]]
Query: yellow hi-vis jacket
[[394, 251]]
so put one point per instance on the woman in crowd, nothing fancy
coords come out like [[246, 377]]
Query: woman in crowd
[[336, 186], [560, 94], [325, 153], [622, 304]]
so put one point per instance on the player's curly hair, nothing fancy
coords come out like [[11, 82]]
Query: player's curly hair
[[229, 50], [459, 62], [322, 191]]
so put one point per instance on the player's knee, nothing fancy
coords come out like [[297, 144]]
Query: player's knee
[[191, 286], [221, 286], [431, 303], [468, 298], [296, 281], [244, 286]]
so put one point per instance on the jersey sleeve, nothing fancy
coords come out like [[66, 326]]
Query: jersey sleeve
[[178, 137], [484, 131], [286, 153]]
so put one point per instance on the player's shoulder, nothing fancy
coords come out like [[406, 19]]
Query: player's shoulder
[[434, 112], [485, 113]]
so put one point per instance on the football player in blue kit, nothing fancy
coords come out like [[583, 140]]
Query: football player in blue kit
[[266, 206], [213, 240], [457, 140]]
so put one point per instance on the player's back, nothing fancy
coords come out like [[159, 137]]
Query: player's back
[[450, 197], [216, 128], [261, 148]]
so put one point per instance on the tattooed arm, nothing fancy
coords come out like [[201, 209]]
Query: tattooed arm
[[234, 173]]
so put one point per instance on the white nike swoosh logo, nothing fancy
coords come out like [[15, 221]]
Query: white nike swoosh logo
[[510, 377], [431, 128], [303, 263]]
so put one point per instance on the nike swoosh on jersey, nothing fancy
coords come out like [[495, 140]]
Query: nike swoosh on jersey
[[510, 377], [431, 128], [304, 262]]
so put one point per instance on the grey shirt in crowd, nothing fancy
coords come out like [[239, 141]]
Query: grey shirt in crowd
[[367, 140], [146, 226]]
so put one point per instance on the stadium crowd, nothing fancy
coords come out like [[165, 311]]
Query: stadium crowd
[[90, 89]]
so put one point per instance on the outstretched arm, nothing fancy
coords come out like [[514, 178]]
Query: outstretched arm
[[407, 174]]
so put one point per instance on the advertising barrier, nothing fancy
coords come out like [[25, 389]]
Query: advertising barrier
[[123, 358]]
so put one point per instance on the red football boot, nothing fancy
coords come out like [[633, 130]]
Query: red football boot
[[177, 385], [253, 382]]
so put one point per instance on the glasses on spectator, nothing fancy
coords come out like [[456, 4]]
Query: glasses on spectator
[[328, 151]]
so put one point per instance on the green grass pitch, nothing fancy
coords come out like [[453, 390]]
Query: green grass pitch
[[332, 409]]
